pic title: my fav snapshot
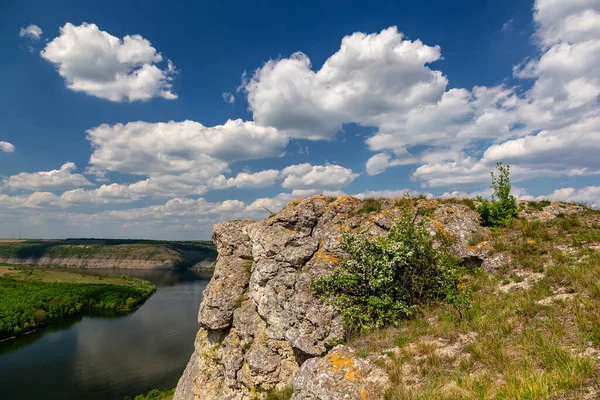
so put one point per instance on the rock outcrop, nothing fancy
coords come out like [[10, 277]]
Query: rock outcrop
[[261, 326]]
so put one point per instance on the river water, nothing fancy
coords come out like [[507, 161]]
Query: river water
[[108, 356]]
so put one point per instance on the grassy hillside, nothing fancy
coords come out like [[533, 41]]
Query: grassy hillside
[[532, 330], [93, 253], [31, 298]]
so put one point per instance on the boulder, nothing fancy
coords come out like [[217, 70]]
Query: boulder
[[341, 374]]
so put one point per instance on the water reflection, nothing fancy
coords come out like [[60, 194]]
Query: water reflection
[[107, 357]]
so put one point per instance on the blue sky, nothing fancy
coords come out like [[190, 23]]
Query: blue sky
[[423, 96]]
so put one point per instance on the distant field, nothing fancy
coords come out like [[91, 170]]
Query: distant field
[[7, 270], [106, 253]]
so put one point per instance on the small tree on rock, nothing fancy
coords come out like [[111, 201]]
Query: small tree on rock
[[503, 207]]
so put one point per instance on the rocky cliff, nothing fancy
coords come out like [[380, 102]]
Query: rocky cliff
[[261, 326]]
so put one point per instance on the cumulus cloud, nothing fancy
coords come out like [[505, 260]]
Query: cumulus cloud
[[391, 194], [382, 161], [560, 149], [180, 158], [554, 125], [142, 147], [386, 81], [105, 194], [260, 179], [589, 195], [99, 64], [366, 80], [62, 178], [39, 200], [6, 147], [32, 32], [380, 80], [307, 176]]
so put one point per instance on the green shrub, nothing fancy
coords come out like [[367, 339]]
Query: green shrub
[[386, 279], [154, 394], [370, 205], [281, 394], [503, 207]]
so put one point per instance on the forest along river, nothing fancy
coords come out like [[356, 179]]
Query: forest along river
[[108, 357]]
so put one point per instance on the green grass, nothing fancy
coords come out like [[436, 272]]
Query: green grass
[[520, 349], [32, 298], [370, 205], [282, 394], [538, 205], [155, 394]]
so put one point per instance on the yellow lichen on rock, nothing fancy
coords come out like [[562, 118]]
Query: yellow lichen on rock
[[340, 362]]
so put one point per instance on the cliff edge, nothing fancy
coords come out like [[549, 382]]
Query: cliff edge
[[262, 329]]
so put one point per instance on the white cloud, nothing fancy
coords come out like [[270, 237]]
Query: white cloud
[[99, 64], [570, 21], [6, 147], [105, 194], [562, 149], [382, 161], [47, 180], [273, 204], [180, 158], [589, 195], [32, 31], [306, 176], [260, 179], [556, 128], [385, 81], [369, 80], [98, 173], [228, 97], [142, 147], [391, 194]]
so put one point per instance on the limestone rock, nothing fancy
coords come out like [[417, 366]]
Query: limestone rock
[[231, 275], [341, 374], [262, 328], [549, 212]]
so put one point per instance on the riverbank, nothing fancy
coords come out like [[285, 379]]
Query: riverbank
[[107, 253], [155, 395], [32, 298]]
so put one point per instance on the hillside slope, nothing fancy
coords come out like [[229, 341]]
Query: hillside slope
[[94, 253], [532, 329]]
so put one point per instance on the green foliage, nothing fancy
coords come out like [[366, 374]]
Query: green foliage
[[281, 394], [503, 207], [538, 205], [370, 205], [387, 279], [155, 394], [27, 304]]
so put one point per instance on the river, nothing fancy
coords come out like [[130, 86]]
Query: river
[[108, 356]]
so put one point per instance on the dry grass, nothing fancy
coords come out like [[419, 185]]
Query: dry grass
[[7, 270], [509, 345]]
